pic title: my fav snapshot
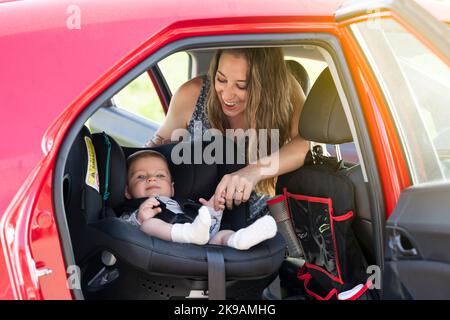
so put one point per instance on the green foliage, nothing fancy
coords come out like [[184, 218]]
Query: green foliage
[[140, 97]]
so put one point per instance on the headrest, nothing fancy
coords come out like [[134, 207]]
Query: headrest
[[300, 74], [323, 119], [194, 179]]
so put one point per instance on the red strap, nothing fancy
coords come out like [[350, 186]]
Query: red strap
[[305, 278], [344, 217]]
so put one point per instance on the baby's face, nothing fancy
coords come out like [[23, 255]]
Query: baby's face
[[149, 177]]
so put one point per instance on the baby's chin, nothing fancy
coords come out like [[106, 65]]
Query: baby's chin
[[158, 194]]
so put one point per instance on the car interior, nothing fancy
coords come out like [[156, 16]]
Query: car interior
[[118, 261]]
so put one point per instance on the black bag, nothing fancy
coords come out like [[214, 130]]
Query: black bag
[[320, 201]]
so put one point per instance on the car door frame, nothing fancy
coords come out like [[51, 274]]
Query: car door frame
[[161, 86], [327, 41]]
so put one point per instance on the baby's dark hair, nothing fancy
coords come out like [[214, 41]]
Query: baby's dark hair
[[145, 154]]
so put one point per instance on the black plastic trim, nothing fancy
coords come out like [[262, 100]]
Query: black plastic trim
[[162, 84]]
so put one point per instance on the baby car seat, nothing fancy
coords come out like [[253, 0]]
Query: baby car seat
[[118, 261]]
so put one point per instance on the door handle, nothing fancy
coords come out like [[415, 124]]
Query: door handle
[[395, 243]]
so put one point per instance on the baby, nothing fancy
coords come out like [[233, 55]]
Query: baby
[[149, 177]]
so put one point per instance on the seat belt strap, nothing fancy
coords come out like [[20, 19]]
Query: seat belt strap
[[216, 274], [106, 194]]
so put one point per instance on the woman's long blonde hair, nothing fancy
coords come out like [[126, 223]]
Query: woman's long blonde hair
[[269, 104]]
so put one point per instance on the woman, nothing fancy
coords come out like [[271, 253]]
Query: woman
[[251, 89]]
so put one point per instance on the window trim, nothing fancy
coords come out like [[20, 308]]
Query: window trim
[[161, 87]]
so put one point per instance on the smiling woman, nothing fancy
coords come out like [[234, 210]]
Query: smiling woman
[[231, 87], [247, 88]]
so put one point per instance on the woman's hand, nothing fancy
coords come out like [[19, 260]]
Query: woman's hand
[[210, 202], [148, 209], [237, 186]]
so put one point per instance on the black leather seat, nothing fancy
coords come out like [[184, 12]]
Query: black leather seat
[[147, 267], [323, 120], [300, 74]]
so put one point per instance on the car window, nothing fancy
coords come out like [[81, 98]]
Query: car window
[[347, 151], [140, 97], [175, 69], [416, 86], [313, 67]]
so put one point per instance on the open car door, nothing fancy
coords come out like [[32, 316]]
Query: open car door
[[408, 51]]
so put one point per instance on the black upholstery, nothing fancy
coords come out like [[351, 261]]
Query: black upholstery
[[80, 200], [76, 192], [300, 74], [197, 180], [143, 260], [156, 256], [191, 180], [323, 120], [362, 224], [117, 173]]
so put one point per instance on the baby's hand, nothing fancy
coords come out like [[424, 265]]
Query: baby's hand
[[148, 209], [210, 202]]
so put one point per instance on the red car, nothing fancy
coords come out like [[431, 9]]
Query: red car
[[63, 64]]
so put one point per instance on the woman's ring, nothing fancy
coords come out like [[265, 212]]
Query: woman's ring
[[239, 191]]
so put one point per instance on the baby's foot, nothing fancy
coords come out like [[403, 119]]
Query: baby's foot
[[262, 229], [196, 232]]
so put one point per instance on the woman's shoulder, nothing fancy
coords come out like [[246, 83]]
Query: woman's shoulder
[[185, 98], [191, 87]]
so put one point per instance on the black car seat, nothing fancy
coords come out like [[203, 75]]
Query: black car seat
[[323, 120], [300, 74], [118, 261]]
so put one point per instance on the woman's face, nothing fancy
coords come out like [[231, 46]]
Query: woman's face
[[231, 84]]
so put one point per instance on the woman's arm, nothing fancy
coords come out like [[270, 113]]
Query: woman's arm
[[180, 111], [239, 185], [291, 156]]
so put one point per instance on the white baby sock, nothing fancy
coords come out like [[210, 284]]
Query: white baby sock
[[262, 229], [196, 232]]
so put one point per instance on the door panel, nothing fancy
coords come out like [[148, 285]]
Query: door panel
[[418, 240], [420, 279]]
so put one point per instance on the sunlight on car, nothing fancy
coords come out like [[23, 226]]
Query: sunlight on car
[[416, 83], [140, 97], [175, 69]]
